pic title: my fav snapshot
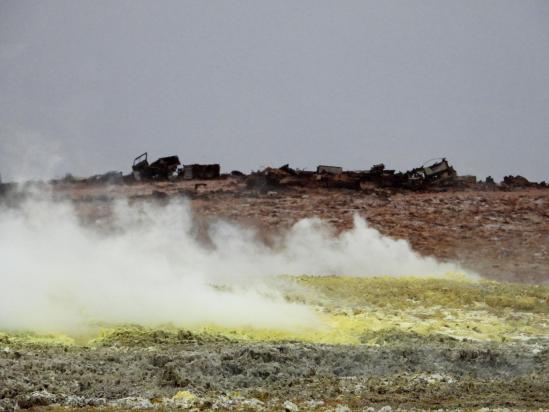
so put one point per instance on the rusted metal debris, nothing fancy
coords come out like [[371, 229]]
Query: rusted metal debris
[[518, 181], [379, 169], [331, 170], [286, 168], [438, 171], [266, 179], [196, 171], [161, 169], [433, 175], [169, 168]]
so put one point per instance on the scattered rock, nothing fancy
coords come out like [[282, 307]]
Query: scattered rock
[[131, 402], [290, 406], [8, 405], [254, 404], [75, 401], [312, 404], [38, 398]]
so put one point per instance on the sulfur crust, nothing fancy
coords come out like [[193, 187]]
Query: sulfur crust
[[362, 310]]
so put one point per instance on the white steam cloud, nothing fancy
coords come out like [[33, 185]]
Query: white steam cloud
[[28, 154], [150, 267]]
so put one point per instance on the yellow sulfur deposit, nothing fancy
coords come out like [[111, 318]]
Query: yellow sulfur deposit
[[355, 310], [185, 395], [38, 339]]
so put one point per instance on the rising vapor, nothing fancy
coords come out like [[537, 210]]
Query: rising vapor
[[150, 266]]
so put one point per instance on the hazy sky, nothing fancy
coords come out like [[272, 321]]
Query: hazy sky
[[85, 86]]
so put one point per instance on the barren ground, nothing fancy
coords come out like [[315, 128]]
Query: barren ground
[[403, 343], [501, 235]]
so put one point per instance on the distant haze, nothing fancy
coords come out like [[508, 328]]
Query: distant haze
[[85, 86]]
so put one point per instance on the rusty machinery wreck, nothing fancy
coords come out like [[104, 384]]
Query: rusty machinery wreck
[[436, 174]]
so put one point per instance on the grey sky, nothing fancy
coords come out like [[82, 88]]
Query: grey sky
[[85, 86]]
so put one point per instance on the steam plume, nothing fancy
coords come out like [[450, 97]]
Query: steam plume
[[150, 267]]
